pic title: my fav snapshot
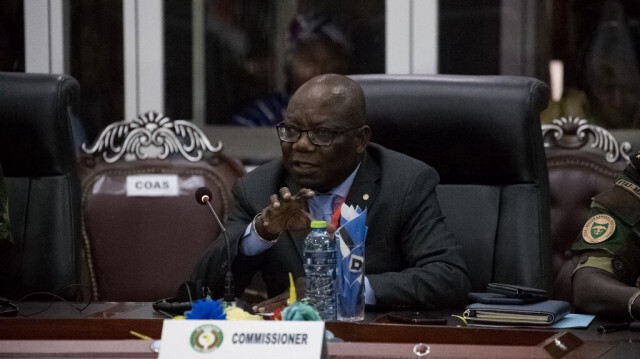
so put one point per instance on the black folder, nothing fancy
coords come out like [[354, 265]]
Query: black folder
[[518, 291], [541, 313]]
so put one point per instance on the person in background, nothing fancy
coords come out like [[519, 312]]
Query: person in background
[[316, 46], [609, 94], [412, 259], [605, 281], [612, 72]]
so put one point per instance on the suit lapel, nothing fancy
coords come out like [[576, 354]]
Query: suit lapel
[[291, 184], [298, 240], [364, 188]]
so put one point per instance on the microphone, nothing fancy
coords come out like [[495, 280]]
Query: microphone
[[203, 196]]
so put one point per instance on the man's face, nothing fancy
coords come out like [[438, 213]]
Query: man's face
[[321, 168]]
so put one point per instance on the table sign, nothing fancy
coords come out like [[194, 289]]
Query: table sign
[[241, 339], [152, 185]]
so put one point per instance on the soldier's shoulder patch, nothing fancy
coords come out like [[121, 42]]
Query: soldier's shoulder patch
[[598, 228]]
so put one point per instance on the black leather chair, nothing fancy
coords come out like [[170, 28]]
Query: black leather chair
[[482, 134], [38, 159]]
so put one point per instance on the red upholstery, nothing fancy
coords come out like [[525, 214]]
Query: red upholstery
[[143, 248], [578, 170]]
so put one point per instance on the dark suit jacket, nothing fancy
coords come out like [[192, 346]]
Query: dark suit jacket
[[411, 258]]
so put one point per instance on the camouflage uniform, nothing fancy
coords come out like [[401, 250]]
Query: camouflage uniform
[[610, 239], [5, 235]]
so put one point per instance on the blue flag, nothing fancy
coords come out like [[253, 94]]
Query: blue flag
[[350, 242]]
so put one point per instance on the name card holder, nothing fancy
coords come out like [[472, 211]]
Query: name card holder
[[152, 185], [241, 339]]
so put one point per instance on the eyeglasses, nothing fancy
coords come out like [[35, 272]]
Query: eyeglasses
[[317, 136]]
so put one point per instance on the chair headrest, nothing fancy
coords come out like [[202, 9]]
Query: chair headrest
[[36, 136], [472, 129]]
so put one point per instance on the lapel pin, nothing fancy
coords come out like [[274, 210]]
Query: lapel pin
[[365, 196]]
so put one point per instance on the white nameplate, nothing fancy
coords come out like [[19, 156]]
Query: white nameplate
[[152, 185], [241, 339]]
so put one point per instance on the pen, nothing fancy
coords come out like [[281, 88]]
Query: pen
[[141, 336], [632, 326], [604, 329]]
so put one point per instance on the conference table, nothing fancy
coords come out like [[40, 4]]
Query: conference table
[[104, 330]]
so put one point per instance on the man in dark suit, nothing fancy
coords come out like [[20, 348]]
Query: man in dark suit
[[411, 258]]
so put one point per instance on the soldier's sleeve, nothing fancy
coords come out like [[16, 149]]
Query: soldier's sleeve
[[608, 243]]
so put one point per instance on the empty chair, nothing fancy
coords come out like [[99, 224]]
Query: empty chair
[[38, 160], [143, 230]]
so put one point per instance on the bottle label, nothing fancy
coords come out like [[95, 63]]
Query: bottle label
[[320, 258]]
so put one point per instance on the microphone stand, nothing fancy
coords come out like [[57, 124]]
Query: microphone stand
[[229, 291]]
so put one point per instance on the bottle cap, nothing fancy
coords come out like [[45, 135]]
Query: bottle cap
[[318, 224]]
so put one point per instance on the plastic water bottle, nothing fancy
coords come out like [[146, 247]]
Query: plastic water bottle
[[320, 270]]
